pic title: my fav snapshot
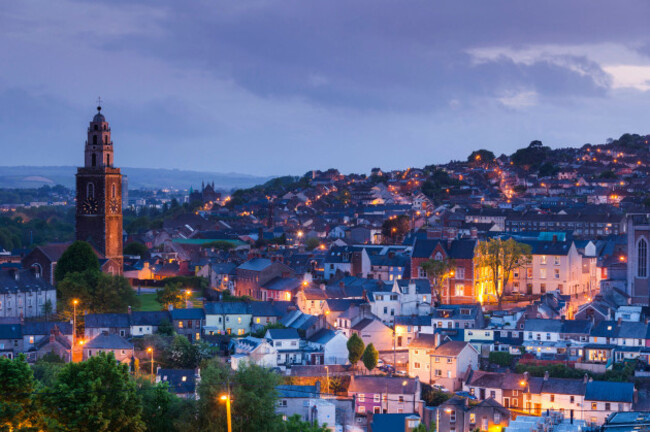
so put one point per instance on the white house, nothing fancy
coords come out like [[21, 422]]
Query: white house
[[254, 350], [332, 343]]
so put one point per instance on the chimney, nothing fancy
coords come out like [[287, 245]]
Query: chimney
[[52, 336], [437, 339], [585, 379], [619, 321], [129, 310], [317, 386], [546, 375]]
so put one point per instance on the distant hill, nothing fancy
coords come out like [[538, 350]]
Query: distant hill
[[149, 178]]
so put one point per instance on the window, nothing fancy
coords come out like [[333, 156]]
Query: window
[[449, 360], [437, 359], [594, 406], [377, 398], [377, 410], [401, 398], [542, 259], [438, 372], [180, 324], [416, 365], [642, 258], [90, 190], [472, 418], [113, 191], [548, 336], [31, 339], [515, 402], [452, 416], [460, 273], [493, 394], [361, 397], [362, 409], [552, 398], [529, 272], [572, 399], [497, 417], [542, 288], [542, 273], [607, 406], [556, 273]]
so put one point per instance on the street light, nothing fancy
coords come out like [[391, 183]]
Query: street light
[[150, 350], [226, 398], [327, 372], [75, 302], [188, 293]]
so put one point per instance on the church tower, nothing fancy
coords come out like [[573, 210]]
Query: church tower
[[99, 195]]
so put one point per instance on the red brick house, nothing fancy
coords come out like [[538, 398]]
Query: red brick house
[[459, 288], [254, 274]]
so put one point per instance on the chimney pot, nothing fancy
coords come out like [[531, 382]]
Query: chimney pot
[[546, 375]]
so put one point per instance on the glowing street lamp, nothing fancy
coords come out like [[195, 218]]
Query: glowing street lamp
[[226, 398], [188, 294], [75, 302], [150, 350]]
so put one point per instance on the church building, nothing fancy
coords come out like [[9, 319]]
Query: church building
[[99, 196]]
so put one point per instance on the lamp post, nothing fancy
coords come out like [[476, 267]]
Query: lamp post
[[526, 385], [451, 275], [75, 302], [150, 350], [226, 398], [327, 374], [188, 293]]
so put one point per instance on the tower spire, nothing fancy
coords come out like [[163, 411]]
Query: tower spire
[[99, 103]]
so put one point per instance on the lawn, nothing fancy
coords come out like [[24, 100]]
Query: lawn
[[148, 302]]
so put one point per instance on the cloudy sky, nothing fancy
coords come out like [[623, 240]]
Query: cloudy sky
[[274, 87]]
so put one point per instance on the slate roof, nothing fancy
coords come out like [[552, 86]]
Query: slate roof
[[187, 314], [422, 286], [27, 281], [226, 308], [390, 422], [297, 391], [322, 336], [174, 377], [44, 327], [626, 329], [256, 264], [11, 331], [280, 334], [339, 305], [282, 284], [53, 251], [149, 318], [608, 391], [270, 308], [108, 320], [413, 320], [379, 384], [108, 341]]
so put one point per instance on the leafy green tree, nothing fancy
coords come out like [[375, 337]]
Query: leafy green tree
[[170, 294], [434, 397], [480, 156], [370, 357], [396, 227], [439, 272], [182, 354], [162, 411], [312, 243], [296, 424], [501, 358], [77, 258], [47, 368], [18, 408], [97, 292], [137, 249], [95, 395], [355, 349], [166, 328], [223, 245], [253, 393], [498, 259]]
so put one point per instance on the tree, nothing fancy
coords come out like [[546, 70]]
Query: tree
[[182, 354], [18, 408], [78, 257], [47, 368], [161, 409], [439, 271], [97, 292], [95, 395], [480, 156], [48, 308], [498, 259], [501, 358], [312, 243], [137, 249], [396, 227], [296, 424], [355, 349], [370, 357], [166, 328], [170, 294]]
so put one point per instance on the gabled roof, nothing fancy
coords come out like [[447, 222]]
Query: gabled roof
[[107, 320], [108, 341], [297, 391], [608, 391], [256, 264], [280, 334], [390, 422], [40, 328], [13, 280], [187, 314], [11, 331], [226, 308], [322, 336], [379, 384], [149, 318]]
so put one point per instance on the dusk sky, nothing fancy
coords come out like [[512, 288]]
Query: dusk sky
[[282, 87]]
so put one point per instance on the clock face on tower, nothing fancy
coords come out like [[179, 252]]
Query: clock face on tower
[[90, 206], [114, 206]]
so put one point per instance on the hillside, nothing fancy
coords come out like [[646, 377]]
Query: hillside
[[149, 178]]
